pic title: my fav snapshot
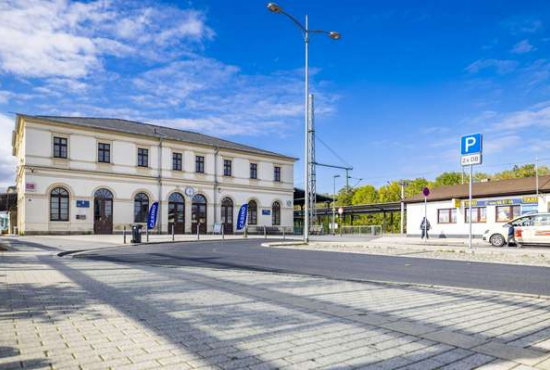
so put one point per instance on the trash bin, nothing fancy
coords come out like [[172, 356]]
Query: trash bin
[[136, 233]]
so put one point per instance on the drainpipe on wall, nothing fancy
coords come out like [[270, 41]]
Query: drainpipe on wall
[[217, 150], [159, 211]]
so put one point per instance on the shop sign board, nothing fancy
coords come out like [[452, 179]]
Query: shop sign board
[[502, 202]]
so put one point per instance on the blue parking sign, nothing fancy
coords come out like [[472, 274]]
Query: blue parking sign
[[471, 144]]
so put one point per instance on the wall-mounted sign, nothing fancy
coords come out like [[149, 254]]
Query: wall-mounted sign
[[266, 212], [80, 217], [502, 202], [82, 204], [189, 191], [30, 187]]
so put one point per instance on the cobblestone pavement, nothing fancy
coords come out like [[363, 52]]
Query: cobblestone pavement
[[66, 313], [529, 256]]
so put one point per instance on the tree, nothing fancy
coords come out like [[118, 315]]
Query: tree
[[448, 178], [364, 195], [345, 196], [518, 172], [390, 192], [415, 186]]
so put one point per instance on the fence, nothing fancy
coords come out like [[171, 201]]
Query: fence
[[361, 230]]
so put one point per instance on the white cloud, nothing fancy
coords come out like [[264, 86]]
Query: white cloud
[[522, 47], [500, 66], [536, 116], [7, 161], [44, 38], [219, 99]]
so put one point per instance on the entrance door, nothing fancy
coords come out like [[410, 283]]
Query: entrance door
[[176, 212], [198, 214], [103, 212], [227, 215]]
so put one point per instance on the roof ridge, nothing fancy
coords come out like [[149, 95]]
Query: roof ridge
[[243, 147]]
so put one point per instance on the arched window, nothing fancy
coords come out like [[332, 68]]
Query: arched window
[[276, 214], [59, 205], [141, 207], [252, 213], [198, 214], [227, 212]]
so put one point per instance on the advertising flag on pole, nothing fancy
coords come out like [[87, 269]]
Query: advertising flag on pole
[[241, 220], [152, 216]]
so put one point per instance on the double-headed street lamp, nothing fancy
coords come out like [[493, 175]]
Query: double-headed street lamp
[[305, 31]]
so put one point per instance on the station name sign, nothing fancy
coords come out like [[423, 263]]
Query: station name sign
[[502, 202]]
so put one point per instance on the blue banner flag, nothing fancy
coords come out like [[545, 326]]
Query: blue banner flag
[[152, 216], [241, 220]]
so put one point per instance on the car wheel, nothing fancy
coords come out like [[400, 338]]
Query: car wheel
[[497, 240]]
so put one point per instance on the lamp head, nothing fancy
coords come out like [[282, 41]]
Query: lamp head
[[274, 8], [334, 35]]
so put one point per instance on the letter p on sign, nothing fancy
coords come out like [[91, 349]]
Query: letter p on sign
[[471, 144]]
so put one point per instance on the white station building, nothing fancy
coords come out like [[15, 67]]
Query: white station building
[[493, 203], [95, 175]]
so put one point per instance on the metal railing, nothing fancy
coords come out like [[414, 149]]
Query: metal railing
[[361, 230]]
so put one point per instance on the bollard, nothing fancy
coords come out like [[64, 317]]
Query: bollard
[[223, 231], [198, 231], [265, 233], [147, 233], [284, 235], [173, 232], [124, 234], [245, 230]]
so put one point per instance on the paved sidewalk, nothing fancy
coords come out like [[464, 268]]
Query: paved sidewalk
[[66, 313]]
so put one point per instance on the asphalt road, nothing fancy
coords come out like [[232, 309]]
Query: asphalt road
[[249, 255]]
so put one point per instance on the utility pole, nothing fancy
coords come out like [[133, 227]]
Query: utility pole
[[537, 176], [334, 203], [403, 183], [312, 185]]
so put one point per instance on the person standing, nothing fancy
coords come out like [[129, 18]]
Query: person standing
[[425, 227], [511, 235]]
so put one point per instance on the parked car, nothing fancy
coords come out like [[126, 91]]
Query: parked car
[[529, 229]]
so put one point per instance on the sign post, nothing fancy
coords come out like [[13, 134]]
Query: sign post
[[426, 192], [471, 149]]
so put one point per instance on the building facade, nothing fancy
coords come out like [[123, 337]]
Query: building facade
[[92, 175], [493, 203]]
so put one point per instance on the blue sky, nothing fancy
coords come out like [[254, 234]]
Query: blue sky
[[393, 96]]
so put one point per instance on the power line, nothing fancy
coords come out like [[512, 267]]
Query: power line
[[332, 151], [424, 174]]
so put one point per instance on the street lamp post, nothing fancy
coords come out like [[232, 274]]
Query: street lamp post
[[305, 31], [334, 203]]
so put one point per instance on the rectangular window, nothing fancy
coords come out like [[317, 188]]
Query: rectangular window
[[479, 214], [104, 153], [199, 164], [253, 170], [277, 173], [143, 157], [227, 167], [60, 147], [177, 161], [507, 213], [446, 216]]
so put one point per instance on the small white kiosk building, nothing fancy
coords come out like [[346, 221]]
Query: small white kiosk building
[[494, 202]]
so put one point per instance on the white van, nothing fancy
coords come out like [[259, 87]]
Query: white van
[[529, 229]]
